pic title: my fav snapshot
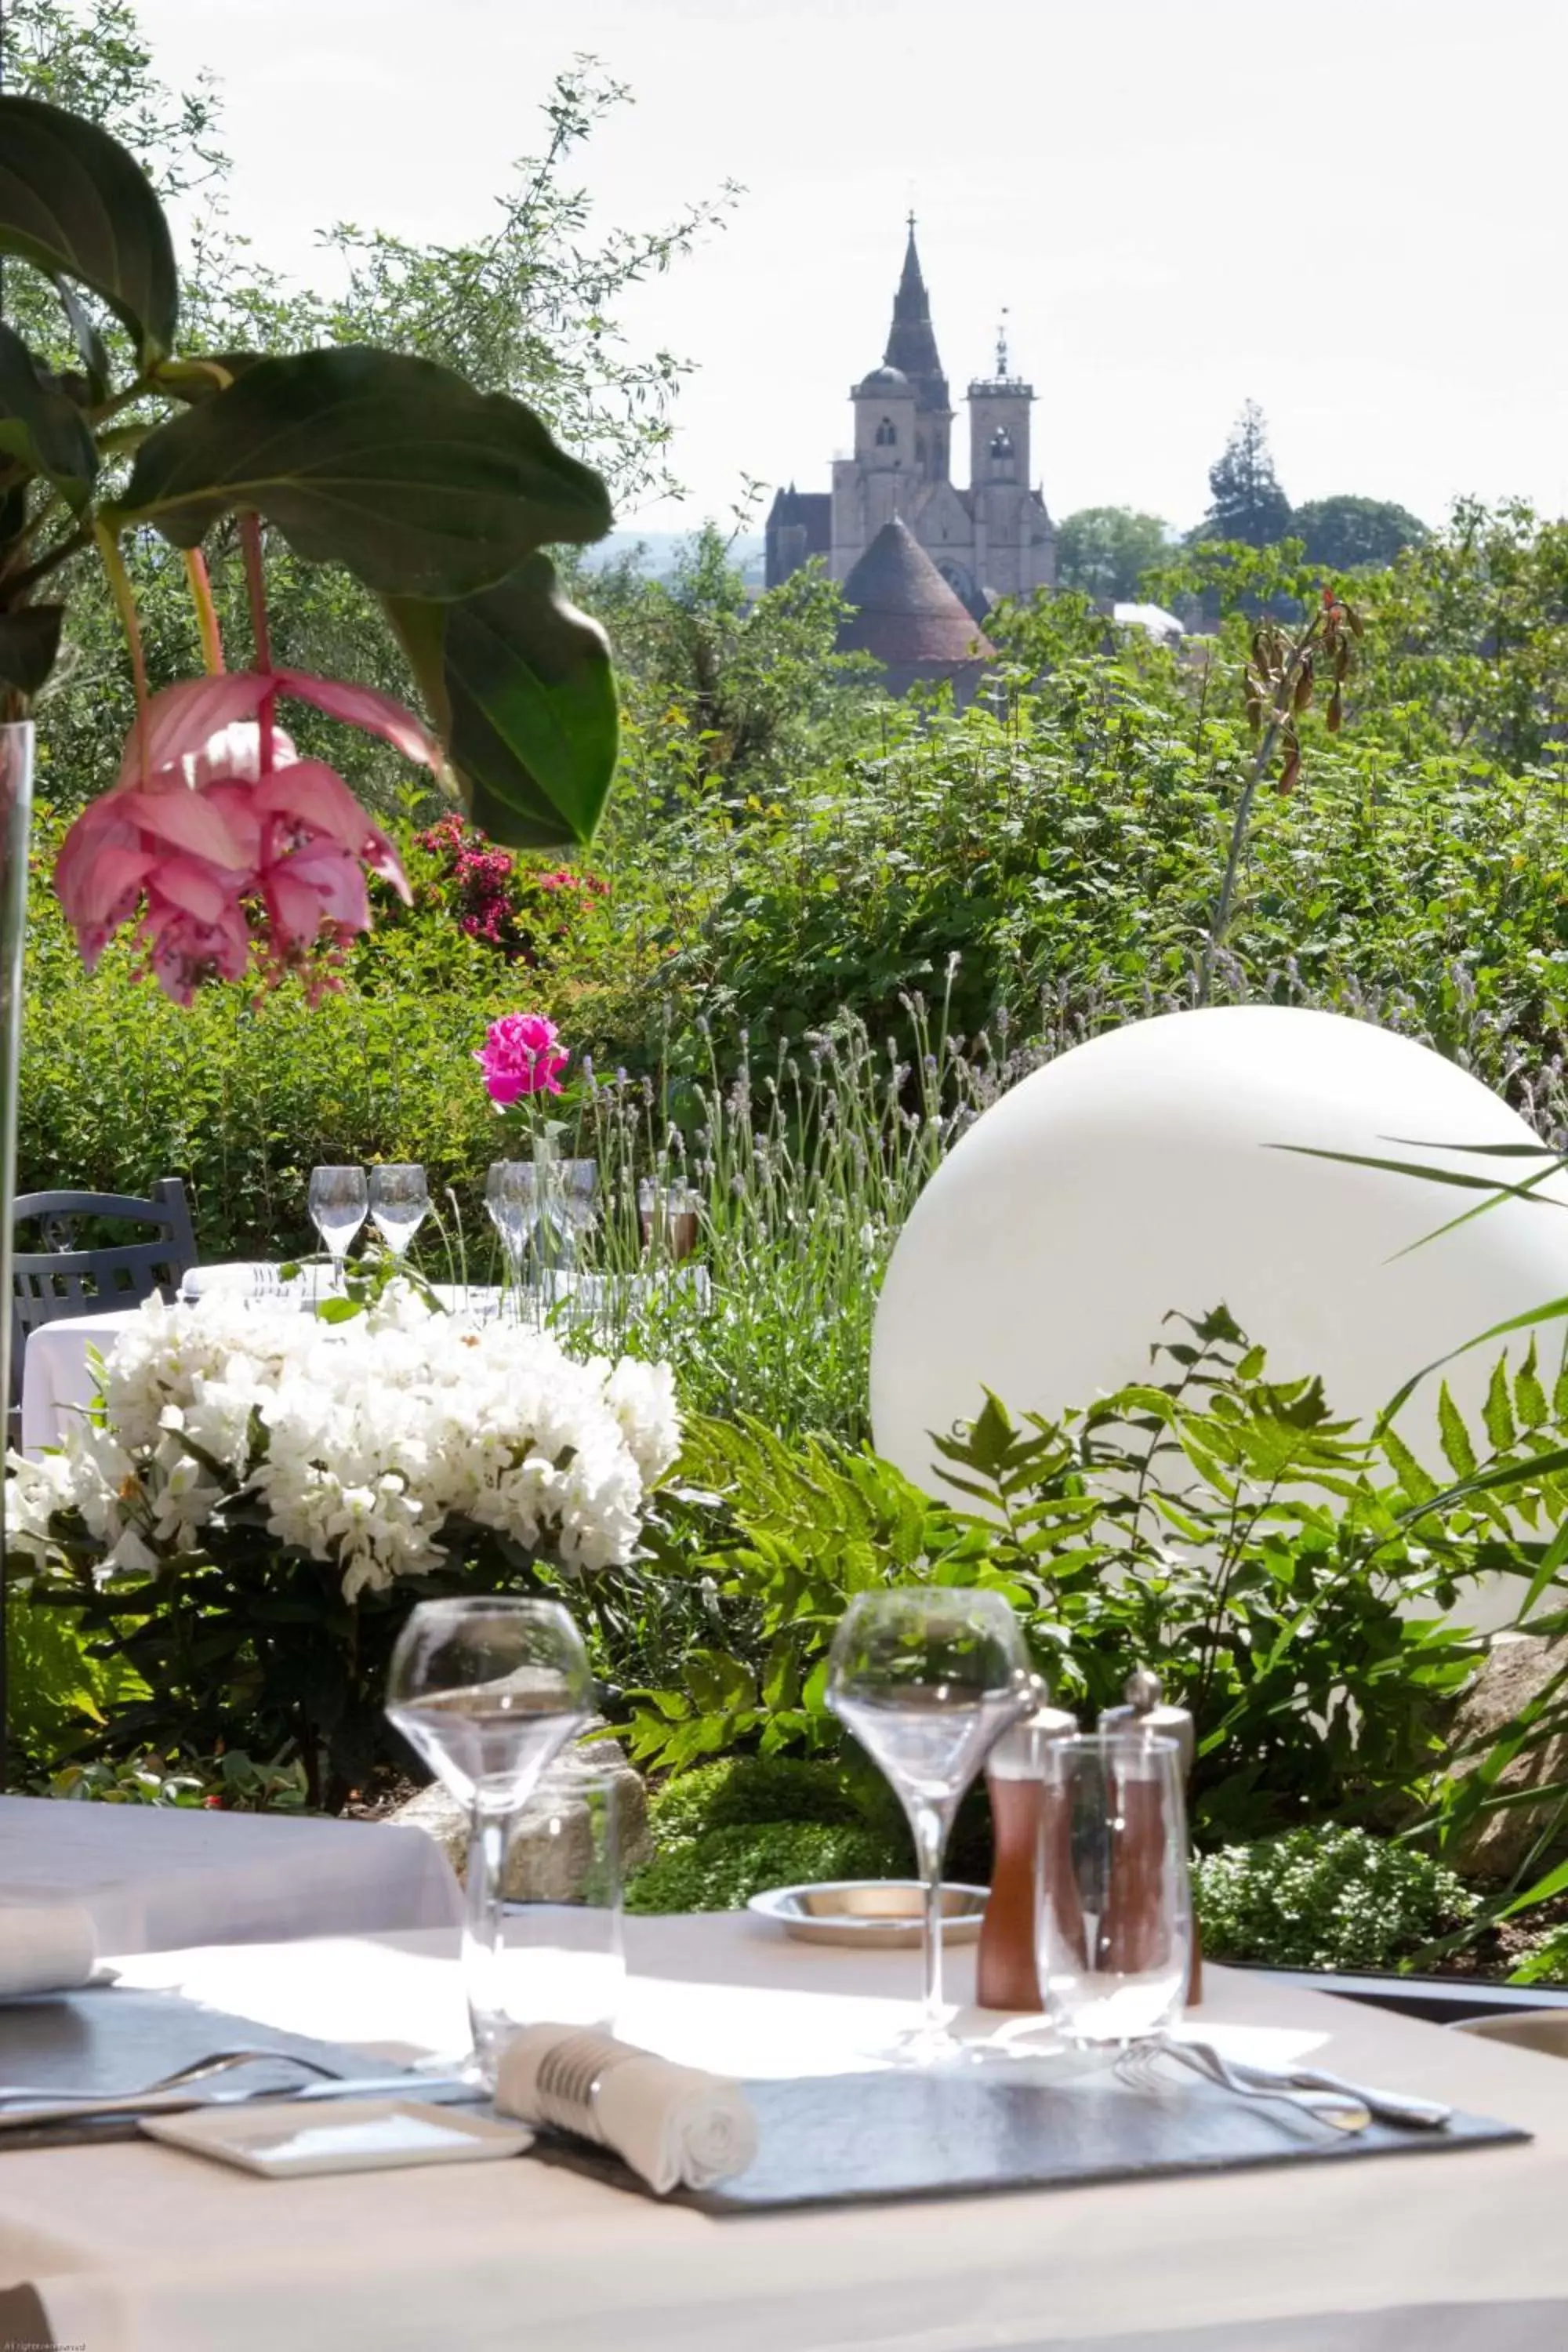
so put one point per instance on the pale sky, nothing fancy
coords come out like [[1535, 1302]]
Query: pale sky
[[1355, 212]]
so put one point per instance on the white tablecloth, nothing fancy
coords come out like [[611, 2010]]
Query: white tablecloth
[[56, 1379], [139, 2248], [56, 1375], [155, 1878]]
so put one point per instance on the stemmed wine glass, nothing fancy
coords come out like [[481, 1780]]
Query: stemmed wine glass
[[926, 1677], [570, 1187], [487, 1690], [399, 1200], [511, 1196], [338, 1199]]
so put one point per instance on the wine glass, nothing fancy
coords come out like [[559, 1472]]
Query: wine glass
[[669, 1216], [338, 1199], [569, 1189], [511, 1196], [1116, 1916], [399, 1199], [487, 1690], [926, 1677]]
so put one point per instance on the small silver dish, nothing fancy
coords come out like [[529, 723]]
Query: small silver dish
[[870, 1912]]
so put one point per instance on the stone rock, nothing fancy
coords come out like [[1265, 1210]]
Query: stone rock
[[1518, 1668], [550, 1851]]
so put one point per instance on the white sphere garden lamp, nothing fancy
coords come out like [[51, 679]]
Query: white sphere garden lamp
[[1168, 1165]]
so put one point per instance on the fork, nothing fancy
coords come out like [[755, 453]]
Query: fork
[[1341, 2109], [1350, 2106], [220, 2062]]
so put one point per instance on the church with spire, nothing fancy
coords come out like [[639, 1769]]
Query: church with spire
[[992, 539]]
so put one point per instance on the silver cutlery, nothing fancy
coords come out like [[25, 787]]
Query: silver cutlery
[[438, 2090], [1348, 2107], [219, 2061]]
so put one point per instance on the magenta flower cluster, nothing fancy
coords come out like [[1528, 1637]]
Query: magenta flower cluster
[[522, 1055], [482, 876]]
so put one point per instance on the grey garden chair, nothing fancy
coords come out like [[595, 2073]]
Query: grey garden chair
[[61, 1279]]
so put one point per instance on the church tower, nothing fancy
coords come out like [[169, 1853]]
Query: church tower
[[992, 539], [911, 348], [1014, 544], [999, 407]]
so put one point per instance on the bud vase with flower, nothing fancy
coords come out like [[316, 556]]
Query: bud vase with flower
[[522, 1062]]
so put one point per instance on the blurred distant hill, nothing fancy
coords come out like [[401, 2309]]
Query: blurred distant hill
[[658, 552]]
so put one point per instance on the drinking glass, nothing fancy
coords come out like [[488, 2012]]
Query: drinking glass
[[511, 1196], [338, 1199], [564, 1959], [668, 1217], [1116, 1914], [569, 1187], [399, 1199], [487, 1690], [926, 1677]]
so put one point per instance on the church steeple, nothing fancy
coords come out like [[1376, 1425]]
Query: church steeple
[[911, 348]]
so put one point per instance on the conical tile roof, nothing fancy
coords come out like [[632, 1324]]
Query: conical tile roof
[[905, 613]]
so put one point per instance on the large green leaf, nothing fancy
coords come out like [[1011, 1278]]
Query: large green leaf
[[394, 467], [73, 202], [43, 427], [519, 683], [29, 641]]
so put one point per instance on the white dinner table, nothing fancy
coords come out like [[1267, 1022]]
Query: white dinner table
[[154, 1877], [136, 2247], [57, 1362], [58, 1370]]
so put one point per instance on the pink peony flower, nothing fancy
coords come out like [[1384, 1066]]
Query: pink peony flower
[[227, 839], [520, 1056]]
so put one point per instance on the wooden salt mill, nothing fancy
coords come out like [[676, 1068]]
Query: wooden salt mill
[[1145, 1710], [1026, 1815]]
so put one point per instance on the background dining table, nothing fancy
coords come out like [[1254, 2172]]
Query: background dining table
[[152, 1877], [136, 2247], [57, 1362], [57, 1372]]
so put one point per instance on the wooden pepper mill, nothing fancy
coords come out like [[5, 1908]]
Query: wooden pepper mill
[[1027, 1819], [1145, 1710]]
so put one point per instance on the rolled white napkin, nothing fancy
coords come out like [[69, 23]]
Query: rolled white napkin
[[45, 1948], [675, 2126]]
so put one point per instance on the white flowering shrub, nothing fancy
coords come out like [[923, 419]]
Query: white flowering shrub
[[258, 1495]]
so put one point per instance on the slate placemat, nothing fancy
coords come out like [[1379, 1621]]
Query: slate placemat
[[110, 2038], [844, 2138]]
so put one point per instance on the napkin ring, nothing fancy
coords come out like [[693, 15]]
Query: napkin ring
[[567, 2085]]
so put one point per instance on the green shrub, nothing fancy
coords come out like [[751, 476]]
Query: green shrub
[[59, 1691], [723, 1868], [1314, 1639], [752, 1790], [231, 1783], [1328, 1898]]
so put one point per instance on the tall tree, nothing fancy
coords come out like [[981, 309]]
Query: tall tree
[[1349, 533], [1247, 501], [1105, 551]]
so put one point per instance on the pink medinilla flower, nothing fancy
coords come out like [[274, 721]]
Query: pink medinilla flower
[[522, 1055], [227, 839]]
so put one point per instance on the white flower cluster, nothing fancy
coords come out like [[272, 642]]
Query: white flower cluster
[[361, 1439]]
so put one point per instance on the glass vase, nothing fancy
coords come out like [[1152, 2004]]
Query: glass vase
[[15, 815]]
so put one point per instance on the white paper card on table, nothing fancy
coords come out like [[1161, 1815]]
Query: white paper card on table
[[45, 1948], [677, 2126], [287, 2140]]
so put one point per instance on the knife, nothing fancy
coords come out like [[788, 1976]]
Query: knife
[[438, 2090]]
